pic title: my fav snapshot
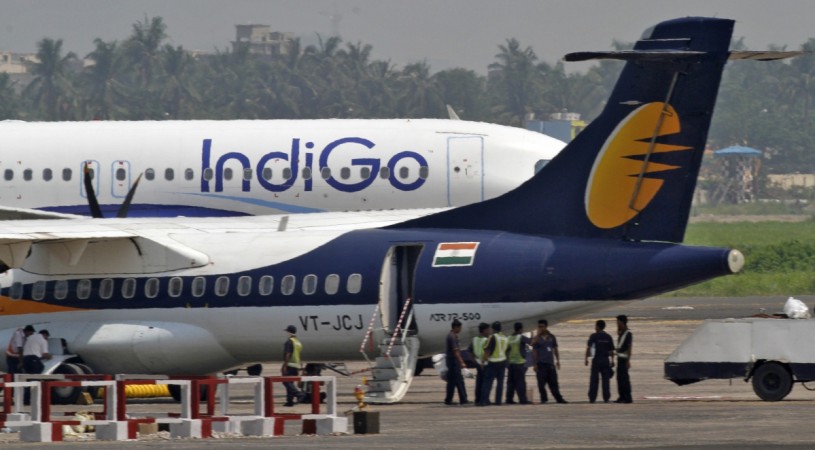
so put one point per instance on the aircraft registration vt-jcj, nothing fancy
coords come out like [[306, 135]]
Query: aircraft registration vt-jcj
[[228, 168], [602, 222]]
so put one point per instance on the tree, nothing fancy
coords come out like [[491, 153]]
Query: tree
[[106, 95], [515, 81], [52, 90], [178, 95]]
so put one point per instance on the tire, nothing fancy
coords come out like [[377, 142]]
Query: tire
[[66, 395], [175, 392], [772, 382], [86, 370]]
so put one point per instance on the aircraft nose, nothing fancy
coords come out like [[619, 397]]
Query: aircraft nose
[[735, 261]]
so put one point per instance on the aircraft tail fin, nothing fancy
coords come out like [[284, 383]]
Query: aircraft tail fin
[[631, 173]]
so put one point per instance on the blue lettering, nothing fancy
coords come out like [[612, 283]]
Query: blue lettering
[[392, 166], [219, 170], [295, 163], [372, 163]]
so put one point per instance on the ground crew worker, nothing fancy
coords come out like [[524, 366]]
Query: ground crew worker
[[455, 364], [601, 350], [477, 350], [14, 350], [625, 341], [35, 351], [495, 355], [547, 362], [516, 373], [292, 365]]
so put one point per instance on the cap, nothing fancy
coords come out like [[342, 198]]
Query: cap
[[291, 329], [496, 326]]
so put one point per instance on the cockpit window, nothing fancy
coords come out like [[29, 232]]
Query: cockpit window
[[541, 164]]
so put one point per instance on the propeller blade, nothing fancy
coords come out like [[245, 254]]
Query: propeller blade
[[93, 203], [122, 213]]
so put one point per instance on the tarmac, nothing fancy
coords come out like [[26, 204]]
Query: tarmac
[[714, 413]]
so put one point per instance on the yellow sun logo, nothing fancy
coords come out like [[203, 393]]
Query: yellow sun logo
[[618, 187]]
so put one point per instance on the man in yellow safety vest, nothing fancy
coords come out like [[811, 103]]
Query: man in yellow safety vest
[[495, 355], [291, 365]]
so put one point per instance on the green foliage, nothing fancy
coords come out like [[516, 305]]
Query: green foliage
[[779, 256]]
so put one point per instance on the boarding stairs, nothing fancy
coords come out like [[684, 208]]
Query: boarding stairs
[[392, 371]]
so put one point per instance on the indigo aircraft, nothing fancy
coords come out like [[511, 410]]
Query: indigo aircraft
[[602, 222], [251, 167]]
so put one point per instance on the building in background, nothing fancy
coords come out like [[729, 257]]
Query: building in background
[[262, 40]]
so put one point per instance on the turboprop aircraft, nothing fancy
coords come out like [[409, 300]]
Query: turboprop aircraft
[[240, 167], [602, 222]]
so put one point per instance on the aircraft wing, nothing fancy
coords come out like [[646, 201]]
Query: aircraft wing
[[10, 213]]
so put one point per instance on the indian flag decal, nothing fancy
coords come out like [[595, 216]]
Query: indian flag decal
[[454, 254]]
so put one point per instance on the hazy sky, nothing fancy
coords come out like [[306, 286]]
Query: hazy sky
[[447, 33]]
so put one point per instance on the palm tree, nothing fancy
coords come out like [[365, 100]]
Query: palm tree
[[9, 104], [107, 95], [143, 50], [420, 95], [178, 94], [51, 89], [515, 81]]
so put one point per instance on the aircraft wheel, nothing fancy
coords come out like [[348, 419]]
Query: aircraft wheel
[[175, 392], [86, 370], [772, 382], [66, 395]]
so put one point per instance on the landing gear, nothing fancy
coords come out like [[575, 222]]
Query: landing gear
[[67, 395]]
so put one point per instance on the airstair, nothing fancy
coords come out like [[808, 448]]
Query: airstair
[[392, 371]]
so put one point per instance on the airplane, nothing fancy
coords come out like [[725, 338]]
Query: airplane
[[602, 223], [252, 167]]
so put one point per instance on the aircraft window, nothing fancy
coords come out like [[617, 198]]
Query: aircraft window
[[384, 173], [365, 172], [309, 284], [325, 172], [208, 173], [169, 174], [175, 287], [149, 174], [244, 286], [83, 289], [28, 174], [287, 285], [267, 173], [8, 174], [287, 173], [106, 288], [424, 171], [345, 173], [247, 174], [61, 289], [354, 283], [332, 284], [199, 285], [227, 174], [540, 164], [306, 173], [38, 290], [66, 174], [266, 285], [404, 172], [189, 174], [121, 174], [47, 174], [129, 288], [16, 292], [221, 286], [151, 288]]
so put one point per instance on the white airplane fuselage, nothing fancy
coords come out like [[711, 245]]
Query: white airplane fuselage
[[250, 167]]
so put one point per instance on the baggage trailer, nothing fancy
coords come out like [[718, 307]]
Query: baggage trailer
[[774, 353]]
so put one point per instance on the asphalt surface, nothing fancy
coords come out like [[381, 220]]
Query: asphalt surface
[[716, 413]]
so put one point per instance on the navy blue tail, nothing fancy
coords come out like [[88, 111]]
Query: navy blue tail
[[632, 172]]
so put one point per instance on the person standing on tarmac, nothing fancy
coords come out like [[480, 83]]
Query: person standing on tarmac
[[625, 341], [516, 374], [14, 350], [292, 365], [601, 350], [455, 366], [35, 351], [547, 362], [477, 351], [495, 355]]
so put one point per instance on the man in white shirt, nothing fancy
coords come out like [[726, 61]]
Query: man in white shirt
[[34, 351], [14, 350]]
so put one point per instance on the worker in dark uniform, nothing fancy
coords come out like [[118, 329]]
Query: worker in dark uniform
[[477, 352], [601, 351], [625, 341], [455, 365], [14, 350], [547, 362], [292, 366], [516, 373], [495, 355]]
